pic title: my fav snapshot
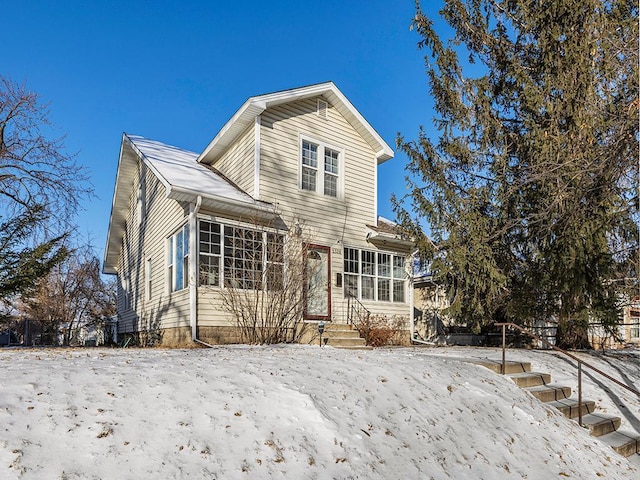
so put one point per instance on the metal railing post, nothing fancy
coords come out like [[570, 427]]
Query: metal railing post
[[504, 342], [580, 393]]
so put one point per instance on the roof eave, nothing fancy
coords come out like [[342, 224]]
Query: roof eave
[[392, 241], [255, 208]]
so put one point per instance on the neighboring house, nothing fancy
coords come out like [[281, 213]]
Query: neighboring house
[[301, 157], [628, 330], [429, 300]]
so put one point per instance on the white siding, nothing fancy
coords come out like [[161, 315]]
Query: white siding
[[237, 163], [333, 222], [146, 240]]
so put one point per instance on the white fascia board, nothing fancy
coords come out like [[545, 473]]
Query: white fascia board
[[385, 152], [257, 206], [256, 158], [107, 267], [150, 165], [240, 120]]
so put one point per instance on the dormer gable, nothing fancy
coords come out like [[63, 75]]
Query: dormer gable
[[327, 92]]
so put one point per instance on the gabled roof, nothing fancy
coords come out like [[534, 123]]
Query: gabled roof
[[183, 178], [254, 106]]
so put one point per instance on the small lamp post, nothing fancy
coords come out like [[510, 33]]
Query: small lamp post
[[321, 331]]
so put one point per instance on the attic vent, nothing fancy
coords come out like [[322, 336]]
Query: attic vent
[[322, 108]]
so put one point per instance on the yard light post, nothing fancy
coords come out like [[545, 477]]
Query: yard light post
[[321, 331]]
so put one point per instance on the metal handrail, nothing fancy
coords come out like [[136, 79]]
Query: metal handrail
[[356, 308], [577, 359]]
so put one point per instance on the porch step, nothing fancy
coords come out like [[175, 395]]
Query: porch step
[[343, 336], [549, 393], [530, 379]]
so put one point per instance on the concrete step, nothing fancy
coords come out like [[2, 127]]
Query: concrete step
[[354, 347], [600, 423], [569, 407], [530, 379], [345, 341], [603, 426], [625, 442], [549, 393], [341, 333], [496, 365]]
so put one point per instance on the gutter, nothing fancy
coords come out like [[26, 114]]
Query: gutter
[[193, 267]]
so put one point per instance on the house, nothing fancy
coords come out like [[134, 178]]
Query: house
[[185, 226], [429, 300]]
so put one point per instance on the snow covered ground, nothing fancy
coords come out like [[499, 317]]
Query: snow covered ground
[[296, 412]]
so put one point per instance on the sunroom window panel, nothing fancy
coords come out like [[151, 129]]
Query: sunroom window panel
[[350, 285], [398, 290], [243, 258], [179, 255], [384, 290], [209, 260], [351, 260], [210, 270], [384, 265], [368, 263], [398, 267], [368, 288]]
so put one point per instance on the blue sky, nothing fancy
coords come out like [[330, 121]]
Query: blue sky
[[176, 71]]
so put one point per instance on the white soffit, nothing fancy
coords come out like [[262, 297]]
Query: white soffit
[[254, 106]]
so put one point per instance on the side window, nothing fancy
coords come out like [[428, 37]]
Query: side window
[[178, 260]]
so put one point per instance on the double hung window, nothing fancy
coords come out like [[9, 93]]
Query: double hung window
[[320, 168]]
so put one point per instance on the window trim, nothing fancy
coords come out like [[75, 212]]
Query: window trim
[[320, 168]]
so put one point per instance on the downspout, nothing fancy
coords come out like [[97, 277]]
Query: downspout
[[193, 266]]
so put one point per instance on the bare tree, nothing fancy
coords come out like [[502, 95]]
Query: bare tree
[[40, 191], [34, 169], [71, 296]]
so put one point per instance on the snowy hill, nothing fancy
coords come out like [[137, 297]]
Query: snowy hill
[[296, 412]]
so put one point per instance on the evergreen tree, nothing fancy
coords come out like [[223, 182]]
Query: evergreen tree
[[531, 190], [21, 263]]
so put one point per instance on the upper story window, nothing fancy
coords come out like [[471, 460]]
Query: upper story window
[[320, 169]]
